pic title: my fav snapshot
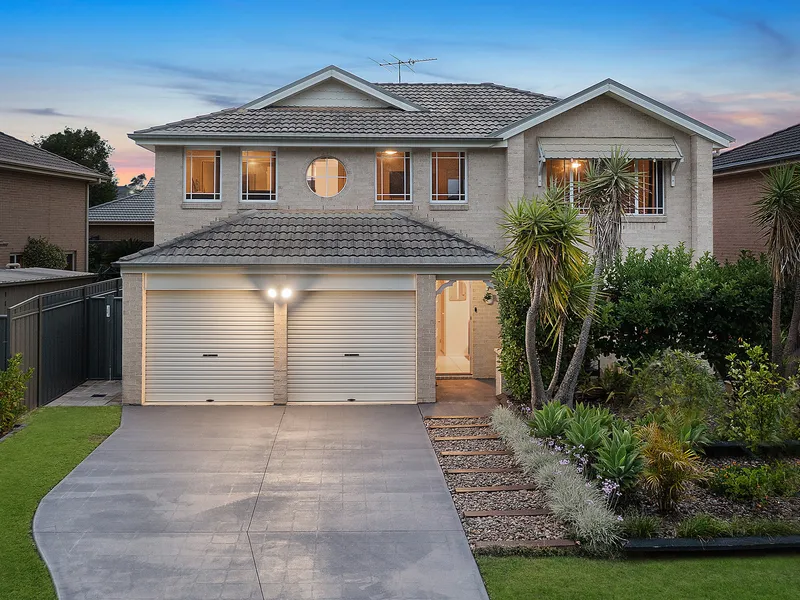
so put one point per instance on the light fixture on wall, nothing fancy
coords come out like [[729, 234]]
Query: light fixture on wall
[[286, 293], [390, 152], [575, 165], [272, 293]]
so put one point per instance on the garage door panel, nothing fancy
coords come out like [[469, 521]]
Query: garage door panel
[[378, 327], [234, 327]]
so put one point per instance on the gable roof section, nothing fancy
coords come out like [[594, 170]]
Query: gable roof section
[[136, 208], [775, 147], [319, 238], [326, 74], [19, 155], [628, 96]]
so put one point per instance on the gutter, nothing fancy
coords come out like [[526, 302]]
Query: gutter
[[30, 168], [755, 163]]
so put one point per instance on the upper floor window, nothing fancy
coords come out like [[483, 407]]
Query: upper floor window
[[393, 176], [258, 176], [649, 198], [448, 176], [202, 174], [326, 176]]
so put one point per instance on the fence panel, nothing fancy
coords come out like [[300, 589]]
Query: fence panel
[[54, 334], [116, 338], [105, 337], [3, 341]]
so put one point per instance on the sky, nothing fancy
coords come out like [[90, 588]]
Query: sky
[[118, 67]]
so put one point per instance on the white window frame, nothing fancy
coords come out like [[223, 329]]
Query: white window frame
[[74, 255], [15, 258], [242, 197], [408, 160], [462, 160], [217, 195], [326, 157]]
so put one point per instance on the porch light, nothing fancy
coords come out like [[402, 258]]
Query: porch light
[[272, 293], [286, 293], [576, 165], [390, 152]]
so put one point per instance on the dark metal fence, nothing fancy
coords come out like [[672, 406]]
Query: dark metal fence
[[67, 338], [3, 341]]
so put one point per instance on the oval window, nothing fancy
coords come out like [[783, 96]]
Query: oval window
[[326, 177]]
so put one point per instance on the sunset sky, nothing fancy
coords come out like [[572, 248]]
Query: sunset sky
[[117, 67]]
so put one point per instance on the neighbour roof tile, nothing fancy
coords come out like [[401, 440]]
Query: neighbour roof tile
[[33, 274], [15, 152], [320, 238], [450, 110], [784, 144], [136, 208]]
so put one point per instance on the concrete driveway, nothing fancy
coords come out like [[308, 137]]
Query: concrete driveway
[[320, 502]]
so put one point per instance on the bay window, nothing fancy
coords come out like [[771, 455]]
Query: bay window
[[393, 176], [448, 177], [258, 176], [202, 175]]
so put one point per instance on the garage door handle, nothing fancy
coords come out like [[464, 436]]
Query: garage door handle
[[351, 354], [210, 355]]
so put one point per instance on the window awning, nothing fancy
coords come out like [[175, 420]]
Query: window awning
[[597, 147], [586, 147]]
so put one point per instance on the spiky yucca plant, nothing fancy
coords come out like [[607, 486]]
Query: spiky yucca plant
[[670, 465]]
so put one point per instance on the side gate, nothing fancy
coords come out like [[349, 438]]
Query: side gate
[[67, 337]]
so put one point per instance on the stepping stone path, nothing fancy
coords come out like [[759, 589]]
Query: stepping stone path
[[500, 508]]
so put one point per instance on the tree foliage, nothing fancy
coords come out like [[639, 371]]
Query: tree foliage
[[85, 147], [39, 252]]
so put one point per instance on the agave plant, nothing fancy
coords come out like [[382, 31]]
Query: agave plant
[[550, 420], [670, 465], [619, 459], [586, 432]]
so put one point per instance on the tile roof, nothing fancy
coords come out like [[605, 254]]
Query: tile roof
[[34, 274], [451, 110], [784, 144], [14, 152], [260, 237], [136, 208]]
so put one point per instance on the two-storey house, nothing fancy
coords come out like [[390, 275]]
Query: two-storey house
[[334, 240]]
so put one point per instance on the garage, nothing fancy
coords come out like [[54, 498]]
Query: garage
[[352, 346], [207, 346]]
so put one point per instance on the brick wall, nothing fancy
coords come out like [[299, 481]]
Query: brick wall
[[33, 205], [133, 334], [485, 333], [114, 233], [734, 230]]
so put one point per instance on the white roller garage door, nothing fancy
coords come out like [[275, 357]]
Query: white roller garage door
[[204, 345], [352, 346]]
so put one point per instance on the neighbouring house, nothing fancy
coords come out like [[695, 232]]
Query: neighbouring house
[[334, 240], [43, 195], [128, 217], [738, 180], [18, 285]]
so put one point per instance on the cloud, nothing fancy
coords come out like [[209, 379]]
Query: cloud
[[40, 112]]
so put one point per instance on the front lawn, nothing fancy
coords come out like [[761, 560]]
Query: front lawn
[[571, 578], [32, 461]]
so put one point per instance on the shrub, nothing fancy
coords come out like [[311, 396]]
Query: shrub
[[661, 299], [760, 408], [686, 424], [12, 393], [615, 380], [586, 432], [619, 459], [756, 483], [677, 378], [640, 526], [39, 252], [707, 527], [670, 465], [570, 496], [550, 421]]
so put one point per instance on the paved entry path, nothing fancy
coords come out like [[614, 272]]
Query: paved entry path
[[315, 502]]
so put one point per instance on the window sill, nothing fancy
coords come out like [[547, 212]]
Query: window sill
[[646, 218], [392, 205], [213, 205], [453, 206], [271, 205]]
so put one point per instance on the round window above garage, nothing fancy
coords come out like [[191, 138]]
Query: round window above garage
[[326, 176]]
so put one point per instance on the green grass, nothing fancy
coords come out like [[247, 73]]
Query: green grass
[[571, 578], [32, 461]]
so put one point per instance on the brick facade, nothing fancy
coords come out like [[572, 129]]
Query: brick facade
[[734, 231], [120, 231], [34, 205]]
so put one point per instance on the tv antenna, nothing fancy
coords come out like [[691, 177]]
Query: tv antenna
[[400, 63]]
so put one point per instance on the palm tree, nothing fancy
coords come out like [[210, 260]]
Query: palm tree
[[778, 214], [544, 236], [609, 191]]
